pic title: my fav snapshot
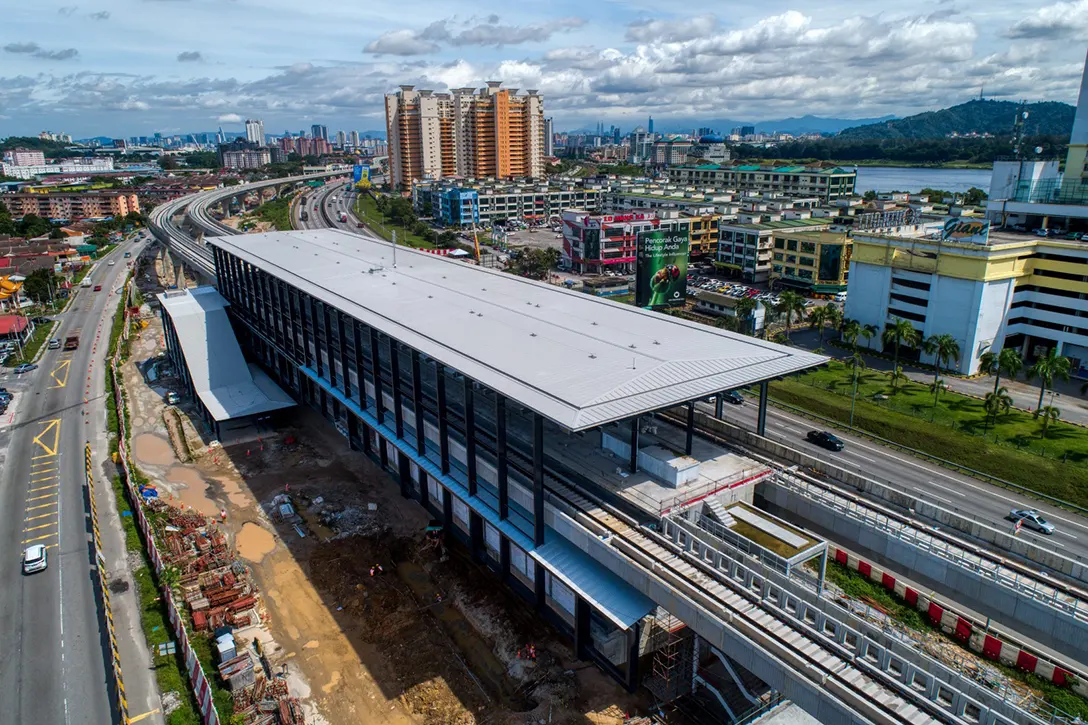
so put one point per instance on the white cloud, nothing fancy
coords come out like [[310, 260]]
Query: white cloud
[[401, 42], [1060, 20], [230, 118], [672, 31], [36, 51]]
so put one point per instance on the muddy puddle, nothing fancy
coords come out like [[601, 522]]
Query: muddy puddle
[[152, 450], [195, 491], [254, 542]]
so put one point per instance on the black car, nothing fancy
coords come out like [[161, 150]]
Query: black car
[[41, 320], [733, 397], [825, 440]]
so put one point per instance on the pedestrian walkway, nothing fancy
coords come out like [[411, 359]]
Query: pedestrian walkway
[[1025, 394]]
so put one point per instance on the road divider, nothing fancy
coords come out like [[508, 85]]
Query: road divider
[[100, 568]]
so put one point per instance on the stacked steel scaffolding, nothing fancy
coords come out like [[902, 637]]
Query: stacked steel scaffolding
[[670, 641]]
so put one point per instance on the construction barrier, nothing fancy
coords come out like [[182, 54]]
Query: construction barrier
[[198, 681], [973, 635], [100, 567]]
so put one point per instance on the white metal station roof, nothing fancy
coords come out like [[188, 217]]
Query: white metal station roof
[[227, 385], [577, 359]]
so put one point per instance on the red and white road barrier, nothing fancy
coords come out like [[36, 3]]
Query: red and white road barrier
[[970, 633]]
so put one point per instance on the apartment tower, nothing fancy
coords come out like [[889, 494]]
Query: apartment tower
[[491, 133]]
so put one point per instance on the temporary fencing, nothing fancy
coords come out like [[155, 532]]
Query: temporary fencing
[[199, 682]]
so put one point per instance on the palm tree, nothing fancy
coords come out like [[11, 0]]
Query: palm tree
[[820, 317], [867, 333], [1048, 413], [1047, 368], [1008, 361], [849, 331], [996, 402], [898, 376], [898, 333], [744, 309], [944, 349], [790, 305], [855, 362]]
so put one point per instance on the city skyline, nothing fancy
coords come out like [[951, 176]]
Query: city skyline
[[761, 63]]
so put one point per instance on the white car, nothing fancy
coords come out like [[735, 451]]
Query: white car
[[34, 559], [1031, 519], [113, 262]]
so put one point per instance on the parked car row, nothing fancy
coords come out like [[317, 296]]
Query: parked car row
[[6, 398], [736, 290]]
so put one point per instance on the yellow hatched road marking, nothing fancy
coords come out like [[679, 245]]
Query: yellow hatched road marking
[[42, 506], [43, 496], [138, 718], [38, 528], [50, 426], [63, 367], [43, 488], [45, 478], [40, 516], [43, 470], [39, 538]]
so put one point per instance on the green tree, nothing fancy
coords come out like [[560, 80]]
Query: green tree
[[39, 284], [1047, 369], [820, 317], [534, 263], [167, 162], [744, 309], [7, 226], [447, 238], [899, 333], [1049, 414], [32, 225], [202, 160], [944, 350], [849, 331], [998, 401], [974, 196], [868, 196], [790, 306], [1008, 361], [856, 363], [898, 376], [867, 333]]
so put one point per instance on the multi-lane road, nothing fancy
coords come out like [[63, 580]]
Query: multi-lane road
[[984, 502], [55, 663]]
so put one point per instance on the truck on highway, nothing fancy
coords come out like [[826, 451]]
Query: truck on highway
[[343, 216], [72, 341], [86, 282], [304, 216]]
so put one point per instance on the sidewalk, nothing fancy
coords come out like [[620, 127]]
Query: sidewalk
[[1024, 394]]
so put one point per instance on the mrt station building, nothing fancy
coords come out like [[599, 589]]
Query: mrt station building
[[497, 401]]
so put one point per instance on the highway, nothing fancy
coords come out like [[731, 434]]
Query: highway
[[55, 665], [981, 501]]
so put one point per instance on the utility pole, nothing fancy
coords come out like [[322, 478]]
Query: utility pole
[[394, 249]]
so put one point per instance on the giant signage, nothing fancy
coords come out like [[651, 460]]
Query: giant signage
[[359, 173], [958, 229], [661, 269]]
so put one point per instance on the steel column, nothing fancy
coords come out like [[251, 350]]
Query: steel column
[[443, 422], [375, 364], [689, 428], [398, 409], [501, 464], [538, 479], [761, 421], [634, 444], [470, 437]]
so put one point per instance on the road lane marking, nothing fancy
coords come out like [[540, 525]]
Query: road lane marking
[[37, 528], [40, 516], [43, 488], [50, 426], [1023, 504], [864, 458], [50, 536], [43, 506], [149, 713], [931, 495], [64, 367], [42, 464], [43, 496], [45, 478], [1065, 533], [948, 490]]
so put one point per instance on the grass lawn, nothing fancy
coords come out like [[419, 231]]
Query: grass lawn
[[277, 212], [367, 211], [956, 430]]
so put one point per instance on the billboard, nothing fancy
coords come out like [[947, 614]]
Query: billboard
[[661, 269], [360, 173], [958, 229]]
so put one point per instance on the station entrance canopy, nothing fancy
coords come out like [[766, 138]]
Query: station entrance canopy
[[226, 384]]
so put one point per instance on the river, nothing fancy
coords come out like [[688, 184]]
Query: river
[[888, 178]]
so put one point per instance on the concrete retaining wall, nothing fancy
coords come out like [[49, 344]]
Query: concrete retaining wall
[[1034, 619], [1023, 548]]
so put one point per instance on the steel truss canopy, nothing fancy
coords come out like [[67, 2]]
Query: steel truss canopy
[[578, 360]]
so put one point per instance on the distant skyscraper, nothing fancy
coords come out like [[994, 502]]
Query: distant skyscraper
[[650, 126], [616, 135], [341, 139], [355, 139], [255, 132], [319, 131], [549, 138]]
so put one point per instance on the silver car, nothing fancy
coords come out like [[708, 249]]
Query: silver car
[[1032, 520], [34, 559]]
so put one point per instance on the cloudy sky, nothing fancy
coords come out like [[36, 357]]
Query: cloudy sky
[[127, 67]]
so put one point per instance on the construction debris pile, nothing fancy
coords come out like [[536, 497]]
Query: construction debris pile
[[223, 599]]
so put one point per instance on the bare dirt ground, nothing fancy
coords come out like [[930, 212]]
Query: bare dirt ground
[[424, 641]]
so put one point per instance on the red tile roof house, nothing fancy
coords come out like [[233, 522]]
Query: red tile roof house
[[15, 326]]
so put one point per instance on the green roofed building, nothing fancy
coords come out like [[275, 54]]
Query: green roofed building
[[825, 183]]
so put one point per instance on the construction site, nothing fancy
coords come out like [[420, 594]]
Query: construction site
[[341, 606]]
